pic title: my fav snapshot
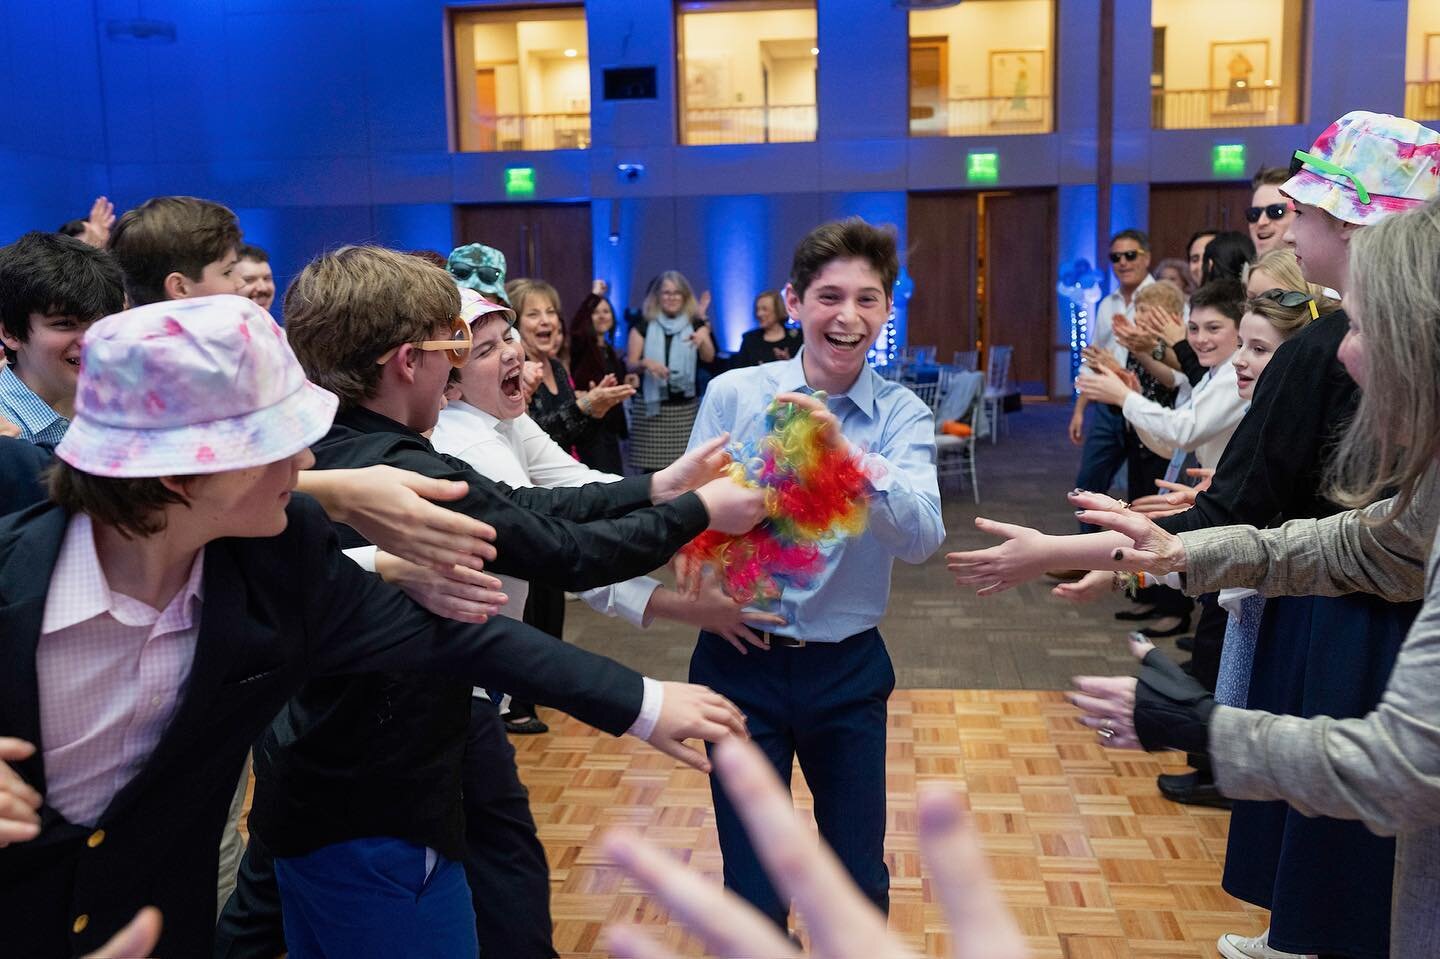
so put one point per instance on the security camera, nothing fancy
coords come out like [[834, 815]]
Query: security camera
[[630, 172]]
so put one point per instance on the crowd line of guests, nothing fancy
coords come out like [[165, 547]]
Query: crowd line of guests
[[167, 603]]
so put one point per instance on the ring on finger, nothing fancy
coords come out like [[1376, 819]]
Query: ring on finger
[[1107, 732]]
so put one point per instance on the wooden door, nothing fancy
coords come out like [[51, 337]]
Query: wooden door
[[941, 234], [1178, 211], [486, 110], [545, 241], [929, 85], [1019, 283]]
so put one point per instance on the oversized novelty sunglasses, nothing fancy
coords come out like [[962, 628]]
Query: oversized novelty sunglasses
[[457, 347], [1291, 299], [485, 274], [1275, 211], [1321, 165], [1127, 255]]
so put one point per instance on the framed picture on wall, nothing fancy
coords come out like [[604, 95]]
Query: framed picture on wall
[[1019, 89], [1431, 95], [1239, 76]]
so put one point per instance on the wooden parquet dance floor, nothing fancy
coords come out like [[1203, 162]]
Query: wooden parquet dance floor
[[1093, 862]]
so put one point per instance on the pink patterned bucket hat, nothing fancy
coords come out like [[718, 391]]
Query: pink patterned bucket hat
[[190, 386], [473, 306], [1366, 166]]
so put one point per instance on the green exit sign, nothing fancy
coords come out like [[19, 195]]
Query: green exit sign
[[1228, 160], [519, 182], [982, 168]]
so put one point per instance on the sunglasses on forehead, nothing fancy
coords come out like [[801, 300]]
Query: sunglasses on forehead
[[456, 348], [1127, 255], [1291, 299], [1275, 211], [1301, 160], [485, 274]]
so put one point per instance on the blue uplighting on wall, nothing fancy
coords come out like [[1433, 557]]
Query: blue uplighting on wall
[[736, 240]]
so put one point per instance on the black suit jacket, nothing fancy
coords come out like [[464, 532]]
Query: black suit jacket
[[276, 612], [380, 754], [21, 464]]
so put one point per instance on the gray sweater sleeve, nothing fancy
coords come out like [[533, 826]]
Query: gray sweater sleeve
[[1321, 557], [1383, 769]]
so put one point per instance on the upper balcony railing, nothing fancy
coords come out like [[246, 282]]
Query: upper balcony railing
[[1237, 106], [1422, 100], [982, 116], [531, 131], [706, 126]]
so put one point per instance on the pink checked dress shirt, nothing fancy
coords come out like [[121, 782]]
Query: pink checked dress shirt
[[111, 671]]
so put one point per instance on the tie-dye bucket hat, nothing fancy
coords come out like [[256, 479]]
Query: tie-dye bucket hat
[[473, 306], [1366, 166], [480, 268], [193, 386]]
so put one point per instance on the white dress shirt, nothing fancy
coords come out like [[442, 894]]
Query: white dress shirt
[[1102, 324], [1203, 425], [519, 453]]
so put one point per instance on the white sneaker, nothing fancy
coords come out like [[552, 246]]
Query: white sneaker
[[1233, 946]]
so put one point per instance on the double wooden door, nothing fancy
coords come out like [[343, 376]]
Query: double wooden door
[[543, 241], [984, 272], [1179, 210]]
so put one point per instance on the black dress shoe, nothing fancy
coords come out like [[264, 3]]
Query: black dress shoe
[[524, 725], [1150, 632], [1191, 789], [1135, 615]]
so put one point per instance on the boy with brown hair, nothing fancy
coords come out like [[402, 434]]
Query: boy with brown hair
[[175, 247], [816, 688]]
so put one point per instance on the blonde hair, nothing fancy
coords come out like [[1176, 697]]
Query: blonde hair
[[1395, 437], [1284, 266], [521, 288], [1164, 295], [651, 307], [348, 307], [1287, 320]]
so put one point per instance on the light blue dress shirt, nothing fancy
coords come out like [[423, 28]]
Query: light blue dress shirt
[[37, 421], [895, 431]]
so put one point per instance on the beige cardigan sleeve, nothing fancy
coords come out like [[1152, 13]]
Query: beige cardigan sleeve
[[1383, 769], [1325, 557]]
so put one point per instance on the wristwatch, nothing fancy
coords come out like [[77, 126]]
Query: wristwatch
[[1159, 351]]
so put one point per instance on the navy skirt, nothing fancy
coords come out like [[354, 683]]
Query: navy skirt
[[1326, 881]]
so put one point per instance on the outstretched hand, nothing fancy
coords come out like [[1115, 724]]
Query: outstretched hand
[[1022, 557], [842, 923], [1153, 550]]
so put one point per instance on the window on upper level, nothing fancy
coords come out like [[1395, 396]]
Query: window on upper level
[[1225, 63], [982, 68], [1422, 61], [747, 72], [522, 79]]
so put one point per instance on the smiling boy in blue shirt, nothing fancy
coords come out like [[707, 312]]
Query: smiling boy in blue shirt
[[816, 689]]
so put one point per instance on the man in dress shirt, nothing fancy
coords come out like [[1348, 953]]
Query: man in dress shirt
[[52, 287], [817, 687], [158, 615], [1104, 448]]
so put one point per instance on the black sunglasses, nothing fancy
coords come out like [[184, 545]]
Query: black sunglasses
[[1127, 255], [1274, 211], [485, 274], [1287, 298]]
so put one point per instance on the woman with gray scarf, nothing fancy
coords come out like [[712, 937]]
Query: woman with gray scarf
[[666, 347]]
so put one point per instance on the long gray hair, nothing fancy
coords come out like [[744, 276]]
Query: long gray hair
[[1395, 437]]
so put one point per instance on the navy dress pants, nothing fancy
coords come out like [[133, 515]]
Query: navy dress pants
[[823, 704]]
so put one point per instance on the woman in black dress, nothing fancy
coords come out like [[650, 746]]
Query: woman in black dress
[[771, 340], [593, 357]]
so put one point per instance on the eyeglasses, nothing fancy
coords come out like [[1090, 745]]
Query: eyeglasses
[[1127, 255], [485, 274], [1291, 299], [1275, 211], [1303, 159], [457, 346]]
